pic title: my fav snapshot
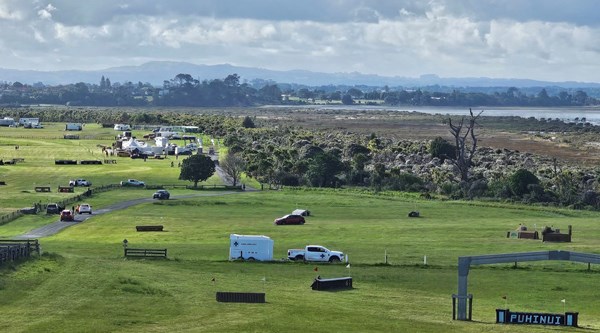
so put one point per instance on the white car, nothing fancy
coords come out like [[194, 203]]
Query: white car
[[79, 182], [133, 182], [84, 209]]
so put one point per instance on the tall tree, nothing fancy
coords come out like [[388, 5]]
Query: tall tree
[[270, 94], [197, 168], [248, 122], [347, 99], [323, 169]]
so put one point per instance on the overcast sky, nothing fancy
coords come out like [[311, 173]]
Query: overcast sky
[[554, 40]]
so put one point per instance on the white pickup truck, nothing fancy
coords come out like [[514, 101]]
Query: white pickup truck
[[315, 253]]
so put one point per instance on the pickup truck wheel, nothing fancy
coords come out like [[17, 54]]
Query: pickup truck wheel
[[251, 259], [299, 258], [334, 259]]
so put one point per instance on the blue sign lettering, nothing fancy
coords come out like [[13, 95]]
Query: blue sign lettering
[[508, 317]]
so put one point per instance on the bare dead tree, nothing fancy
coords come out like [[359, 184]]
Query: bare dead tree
[[465, 148], [233, 165]]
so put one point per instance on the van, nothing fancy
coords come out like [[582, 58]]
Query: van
[[250, 247], [53, 208]]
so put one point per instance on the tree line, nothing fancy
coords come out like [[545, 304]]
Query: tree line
[[185, 90]]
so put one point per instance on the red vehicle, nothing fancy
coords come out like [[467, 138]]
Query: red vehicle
[[290, 219], [67, 215]]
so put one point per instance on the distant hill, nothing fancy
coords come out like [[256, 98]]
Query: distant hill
[[158, 71]]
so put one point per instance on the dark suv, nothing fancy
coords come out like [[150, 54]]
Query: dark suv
[[290, 219], [161, 194], [53, 208]]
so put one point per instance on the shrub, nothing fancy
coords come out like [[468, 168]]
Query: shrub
[[442, 149], [478, 188], [287, 179], [519, 181], [404, 182], [499, 189], [590, 198]]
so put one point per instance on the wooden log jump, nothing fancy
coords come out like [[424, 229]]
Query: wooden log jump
[[240, 297], [549, 235], [43, 189], [149, 228], [66, 189], [87, 162], [523, 234], [65, 162], [330, 284]]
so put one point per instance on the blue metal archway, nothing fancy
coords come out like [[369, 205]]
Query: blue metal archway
[[464, 264]]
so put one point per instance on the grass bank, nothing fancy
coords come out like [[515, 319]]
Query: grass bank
[[83, 283]]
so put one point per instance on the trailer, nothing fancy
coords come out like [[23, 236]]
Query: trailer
[[122, 127], [32, 121], [7, 121], [250, 247], [73, 127]]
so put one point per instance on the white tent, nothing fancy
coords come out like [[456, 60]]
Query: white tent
[[133, 144]]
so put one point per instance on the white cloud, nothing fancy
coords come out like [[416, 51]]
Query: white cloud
[[9, 12], [46, 13], [406, 38]]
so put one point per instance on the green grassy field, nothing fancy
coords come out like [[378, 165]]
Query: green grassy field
[[41, 147], [82, 283]]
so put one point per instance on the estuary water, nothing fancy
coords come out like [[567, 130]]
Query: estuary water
[[566, 114]]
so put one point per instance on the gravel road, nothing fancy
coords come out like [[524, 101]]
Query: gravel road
[[55, 227]]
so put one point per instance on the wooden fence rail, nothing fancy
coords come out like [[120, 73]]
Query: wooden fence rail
[[16, 249], [153, 253]]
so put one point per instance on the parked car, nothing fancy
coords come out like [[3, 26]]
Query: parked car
[[84, 209], [79, 182], [315, 253], [290, 219], [53, 208], [133, 182], [161, 194], [67, 215]]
